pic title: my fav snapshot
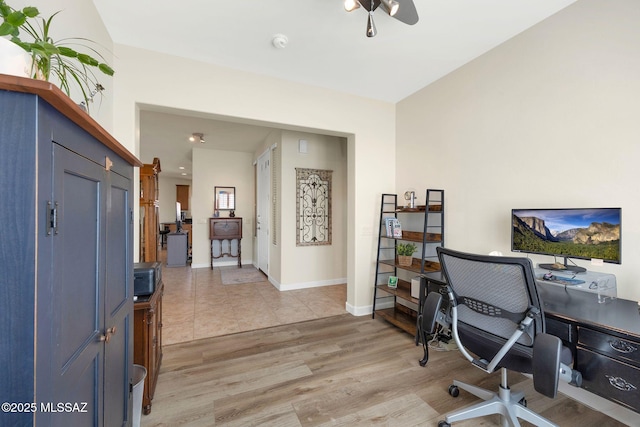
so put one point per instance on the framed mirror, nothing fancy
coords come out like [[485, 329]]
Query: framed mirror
[[225, 198]]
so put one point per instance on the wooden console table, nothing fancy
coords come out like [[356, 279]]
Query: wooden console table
[[229, 229]]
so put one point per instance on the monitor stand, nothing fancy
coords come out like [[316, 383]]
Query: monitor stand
[[556, 266]]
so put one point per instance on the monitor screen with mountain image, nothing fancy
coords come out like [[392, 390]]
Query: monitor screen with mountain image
[[570, 233]]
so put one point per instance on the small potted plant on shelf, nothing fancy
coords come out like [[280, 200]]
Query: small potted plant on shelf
[[53, 57], [405, 253]]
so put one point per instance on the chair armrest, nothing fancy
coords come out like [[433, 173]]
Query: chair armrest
[[430, 312], [546, 364], [549, 366], [427, 321]]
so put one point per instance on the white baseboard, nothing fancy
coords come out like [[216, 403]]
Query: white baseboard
[[219, 264], [359, 311], [230, 263], [199, 265], [307, 285]]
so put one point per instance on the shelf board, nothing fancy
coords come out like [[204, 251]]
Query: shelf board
[[417, 236], [402, 291], [415, 265], [398, 318]]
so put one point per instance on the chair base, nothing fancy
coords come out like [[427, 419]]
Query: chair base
[[504, 403]]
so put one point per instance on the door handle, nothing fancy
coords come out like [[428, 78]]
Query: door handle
[[107, 335]]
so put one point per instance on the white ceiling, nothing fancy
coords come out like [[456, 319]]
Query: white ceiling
[[327, 46], [165, 134]]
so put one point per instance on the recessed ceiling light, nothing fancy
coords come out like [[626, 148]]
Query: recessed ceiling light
[[197, 137], [183, 174], [181, 168]]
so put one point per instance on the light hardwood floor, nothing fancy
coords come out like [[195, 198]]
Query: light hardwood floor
[[341, 370]]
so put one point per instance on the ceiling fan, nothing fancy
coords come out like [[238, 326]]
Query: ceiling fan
[[403, 10]]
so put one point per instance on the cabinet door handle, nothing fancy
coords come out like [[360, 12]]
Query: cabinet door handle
[[622, 346], [620, 383], [107, 334]]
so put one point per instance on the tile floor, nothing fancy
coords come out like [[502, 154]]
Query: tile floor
[[197, 305]]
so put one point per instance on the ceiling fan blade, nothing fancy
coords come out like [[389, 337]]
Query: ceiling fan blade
[[367, 4], [407, 12]]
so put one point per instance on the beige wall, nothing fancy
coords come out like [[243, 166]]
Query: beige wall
[[79, 19], [220, 168], [313, 265], [548, 119], [564, 92], [168, 198], [146, 77]]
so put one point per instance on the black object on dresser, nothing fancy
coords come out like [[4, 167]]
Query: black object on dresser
[[66, 288], [146, 277]]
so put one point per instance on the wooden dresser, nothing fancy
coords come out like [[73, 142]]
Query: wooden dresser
[[221, 229], [147, 337]]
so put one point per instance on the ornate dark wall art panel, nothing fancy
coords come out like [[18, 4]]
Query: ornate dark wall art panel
[[313, 207]]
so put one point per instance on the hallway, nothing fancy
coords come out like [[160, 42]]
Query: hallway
[[196, 304]]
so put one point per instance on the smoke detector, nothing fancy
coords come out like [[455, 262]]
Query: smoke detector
[[280, 41]]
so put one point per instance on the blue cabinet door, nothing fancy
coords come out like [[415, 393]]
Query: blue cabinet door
[[76, 304], [118, 301]]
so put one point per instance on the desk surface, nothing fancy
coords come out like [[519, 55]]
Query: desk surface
[[619, 315], [577, 306]]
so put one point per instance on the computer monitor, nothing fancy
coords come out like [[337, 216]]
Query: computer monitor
[[582, 233], [178, 217]]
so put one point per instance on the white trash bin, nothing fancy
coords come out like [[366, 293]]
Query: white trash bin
[[139, 374]]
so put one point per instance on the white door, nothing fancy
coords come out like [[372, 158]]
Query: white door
[[263, 201]]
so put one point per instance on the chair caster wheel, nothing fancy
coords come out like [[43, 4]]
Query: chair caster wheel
[[523, 402], [454, 390], [443, 424]]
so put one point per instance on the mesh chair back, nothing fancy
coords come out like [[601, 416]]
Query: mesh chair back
[[493, 293]]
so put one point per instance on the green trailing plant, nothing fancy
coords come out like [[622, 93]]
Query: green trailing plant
[[54, 57], [406, 249]]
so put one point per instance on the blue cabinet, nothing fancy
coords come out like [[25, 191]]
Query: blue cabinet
[[66, 291]]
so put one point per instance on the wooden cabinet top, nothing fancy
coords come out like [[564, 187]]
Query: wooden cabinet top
[[225, 228], [151, 168], [65, 105]]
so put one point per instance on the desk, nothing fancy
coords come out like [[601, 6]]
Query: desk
[[187, 228], [604, 338], [177, 249]]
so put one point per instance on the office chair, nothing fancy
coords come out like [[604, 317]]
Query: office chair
[[496, 319]]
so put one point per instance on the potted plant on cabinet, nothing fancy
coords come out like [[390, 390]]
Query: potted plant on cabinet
[[405, 253], [54, 57]]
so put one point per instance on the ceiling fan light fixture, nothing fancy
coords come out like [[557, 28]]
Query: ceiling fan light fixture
[[351, 5], [371, 26], [391, 6]]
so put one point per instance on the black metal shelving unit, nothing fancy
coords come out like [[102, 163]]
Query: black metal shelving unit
[[397, 306]]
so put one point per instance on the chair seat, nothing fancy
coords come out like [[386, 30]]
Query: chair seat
[[519, 358]]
